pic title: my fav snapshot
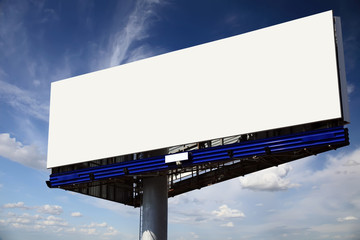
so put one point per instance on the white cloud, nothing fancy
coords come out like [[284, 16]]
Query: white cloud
[[185, 214], [52, 224], [226, 212], [335, 197], [99, 229], [342, 169], [271, 179], [92, 225], [24, 101], [307, 212], [45, 209], [184, 199], [88, 231], [194, 235], [50, 209], [76, 214], [16, 205], [350, 88], [112, 206], [110, 231], [348, 218], [352, 162], [28, 155], [178, 219], [21, 221], [71, 230], [54, 221], [229, 224]]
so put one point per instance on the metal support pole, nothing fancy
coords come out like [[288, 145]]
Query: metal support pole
[[155, 208], [154, 212]]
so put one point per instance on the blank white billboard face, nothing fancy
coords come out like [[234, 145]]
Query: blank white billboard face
[[275, 77]]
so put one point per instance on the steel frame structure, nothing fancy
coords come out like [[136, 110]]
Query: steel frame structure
[[122, 182]]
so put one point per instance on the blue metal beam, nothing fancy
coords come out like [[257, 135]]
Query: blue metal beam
[[336, 137]]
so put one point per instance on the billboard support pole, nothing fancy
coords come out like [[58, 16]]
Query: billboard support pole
[[155, 208]]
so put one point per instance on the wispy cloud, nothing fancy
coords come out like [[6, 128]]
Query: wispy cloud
[[28, 155], [98, 229], [16, 205], [186, 214], [76, 214], [123, 43], [194, 235], [88, 231], [12, 34], [24, 101], [229, 224], [329, 207], [112, 206], [348, 218], [350, 88], [111, 231], [44, 209], [189, 216], [92, 225], [50, 209]]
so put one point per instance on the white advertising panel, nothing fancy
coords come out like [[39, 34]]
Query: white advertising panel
[[275, 77]]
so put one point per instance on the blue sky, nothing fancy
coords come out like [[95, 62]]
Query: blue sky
[[45, 41]]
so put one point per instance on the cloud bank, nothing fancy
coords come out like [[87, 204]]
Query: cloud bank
[[28, 155], [46, 219]]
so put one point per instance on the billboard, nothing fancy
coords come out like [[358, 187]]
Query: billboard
[[276, 77]]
